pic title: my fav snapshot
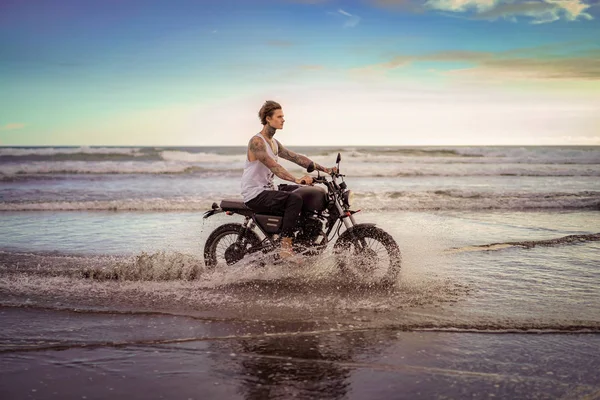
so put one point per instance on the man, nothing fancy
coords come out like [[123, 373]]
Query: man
[[262, 165]]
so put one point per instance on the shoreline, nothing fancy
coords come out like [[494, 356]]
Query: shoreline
[[174, 357]]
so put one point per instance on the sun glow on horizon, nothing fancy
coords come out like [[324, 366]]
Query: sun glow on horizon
[[346, 73]]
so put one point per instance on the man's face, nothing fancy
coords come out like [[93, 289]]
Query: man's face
[[277, 120]]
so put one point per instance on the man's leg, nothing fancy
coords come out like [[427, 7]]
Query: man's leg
[[280, 202], [292, 210]]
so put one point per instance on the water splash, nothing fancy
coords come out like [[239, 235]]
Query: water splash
[[181, 283], [160, 266], [528, 244]]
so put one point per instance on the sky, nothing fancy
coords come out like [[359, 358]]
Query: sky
[[358, 72]]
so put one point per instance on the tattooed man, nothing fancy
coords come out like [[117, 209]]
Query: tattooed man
[[262, 165]]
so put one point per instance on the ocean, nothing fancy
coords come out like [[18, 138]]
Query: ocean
[[103, 289]]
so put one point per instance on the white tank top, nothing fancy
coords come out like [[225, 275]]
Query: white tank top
[[257, 177]]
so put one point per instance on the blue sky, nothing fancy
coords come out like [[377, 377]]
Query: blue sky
[[391, 72]]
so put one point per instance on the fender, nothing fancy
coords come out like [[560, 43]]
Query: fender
[[210, 213], [215, 210], [350, 232]]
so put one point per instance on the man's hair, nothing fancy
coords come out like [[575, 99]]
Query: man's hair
[[267, 110]]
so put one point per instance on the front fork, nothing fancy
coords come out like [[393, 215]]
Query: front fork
[[349, 222], [346, 216]]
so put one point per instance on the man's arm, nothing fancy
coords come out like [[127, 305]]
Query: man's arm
[[259, 149], [299, 159]]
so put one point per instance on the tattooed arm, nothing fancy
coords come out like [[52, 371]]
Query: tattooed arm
[[259, 149], [300, 159]]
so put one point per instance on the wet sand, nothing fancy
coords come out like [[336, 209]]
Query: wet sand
[[68, 355], [488, 305]]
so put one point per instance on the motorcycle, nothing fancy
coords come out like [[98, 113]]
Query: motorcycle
[[363, 251]]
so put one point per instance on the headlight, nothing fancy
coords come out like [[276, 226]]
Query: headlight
[[348, 197]]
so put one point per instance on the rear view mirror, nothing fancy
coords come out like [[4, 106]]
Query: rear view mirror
[[338, 159], [311, 167]]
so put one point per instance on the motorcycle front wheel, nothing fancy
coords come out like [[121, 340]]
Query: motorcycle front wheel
[[223, 247], [368, 254]]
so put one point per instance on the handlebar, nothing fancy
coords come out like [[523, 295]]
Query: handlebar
[[322, 179]]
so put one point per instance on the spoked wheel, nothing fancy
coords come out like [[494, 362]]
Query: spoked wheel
[[368, 254], [223, 247]]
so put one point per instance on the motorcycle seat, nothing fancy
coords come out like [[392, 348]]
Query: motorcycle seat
[[234, 205]]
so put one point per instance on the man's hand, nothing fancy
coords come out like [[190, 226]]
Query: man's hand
[[332, 171], [305, 180]]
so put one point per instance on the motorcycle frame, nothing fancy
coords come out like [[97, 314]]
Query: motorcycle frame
[[334, 193]]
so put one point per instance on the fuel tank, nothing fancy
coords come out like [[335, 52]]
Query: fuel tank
[[315, 198]]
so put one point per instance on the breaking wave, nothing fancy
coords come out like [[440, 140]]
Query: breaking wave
[[368, 201], [223, 155], [33, 169], [84, 150], [184, 156], [473, 200], [181, 204], [528, 244], [30, 170], [472, 154]]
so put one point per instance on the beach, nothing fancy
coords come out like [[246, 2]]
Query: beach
[[103, 290]]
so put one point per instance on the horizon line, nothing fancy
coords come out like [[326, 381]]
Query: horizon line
[[292, 145]]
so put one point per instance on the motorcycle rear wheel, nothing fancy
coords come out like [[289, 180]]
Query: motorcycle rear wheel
[[368, 254], [222, 247]]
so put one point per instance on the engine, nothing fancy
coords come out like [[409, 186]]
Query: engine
[[311, 235]]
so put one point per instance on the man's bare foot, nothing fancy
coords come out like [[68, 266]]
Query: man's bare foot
[[286, 253], [286, 250]]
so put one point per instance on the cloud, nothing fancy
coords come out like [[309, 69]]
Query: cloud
[[12, 127], [536, 11], [516, 64], [351, 20], [575, 68], [461, 5]]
